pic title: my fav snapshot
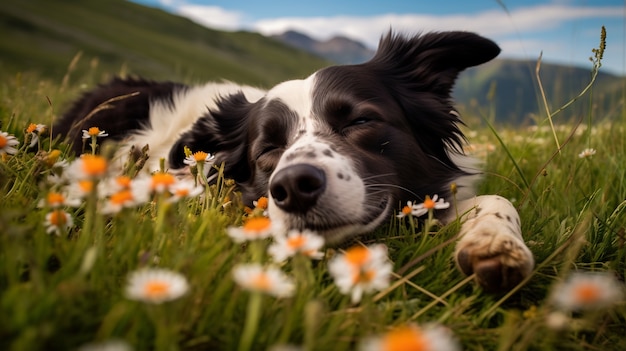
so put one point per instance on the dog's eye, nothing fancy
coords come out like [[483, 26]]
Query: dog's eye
[[359, 121]]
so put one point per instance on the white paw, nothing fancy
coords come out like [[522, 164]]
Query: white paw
[[491, 246]]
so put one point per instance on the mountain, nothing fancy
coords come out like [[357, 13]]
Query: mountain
[[338, 49], [118, 35]]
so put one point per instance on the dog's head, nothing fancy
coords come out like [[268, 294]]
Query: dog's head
[[337, 151]]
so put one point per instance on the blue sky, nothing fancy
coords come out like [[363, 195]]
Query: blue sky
[[564, 31]]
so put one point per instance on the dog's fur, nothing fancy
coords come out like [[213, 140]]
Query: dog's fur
[[336, 152]]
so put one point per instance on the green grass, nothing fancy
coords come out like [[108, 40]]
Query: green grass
[[60, 292]]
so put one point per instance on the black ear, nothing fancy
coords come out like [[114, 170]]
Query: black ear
[[432, 60], [222, 132]]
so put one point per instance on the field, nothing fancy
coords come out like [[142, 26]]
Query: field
[[69, 288]]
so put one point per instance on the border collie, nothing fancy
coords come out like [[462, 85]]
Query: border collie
[[335, 152]]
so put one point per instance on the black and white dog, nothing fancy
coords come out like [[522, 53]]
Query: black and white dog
[[336, 152]]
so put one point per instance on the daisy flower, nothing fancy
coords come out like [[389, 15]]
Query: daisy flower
[[413, 338], [586, 153], [88, 167], [587, 291], [361, 270], [58, 221], [429, 204], [94, 132], [199, 156], [252, 229], [161, 182], [271, 281], [81, 188], [8, 143], [304, 242], [125, 198], [35, 130], [261, 203], [56, 200], [183, 189], [156, 285]]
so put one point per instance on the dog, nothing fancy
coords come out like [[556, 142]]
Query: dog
[[335, 152]]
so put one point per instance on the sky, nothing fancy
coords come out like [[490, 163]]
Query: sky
[[561, 31]]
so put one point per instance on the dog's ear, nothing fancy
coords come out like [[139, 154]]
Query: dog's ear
[[223, 132], [432, 61]]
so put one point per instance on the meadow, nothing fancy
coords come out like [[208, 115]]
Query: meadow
[[66, 284]]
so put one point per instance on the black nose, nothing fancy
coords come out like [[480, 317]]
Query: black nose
[[297, 188]]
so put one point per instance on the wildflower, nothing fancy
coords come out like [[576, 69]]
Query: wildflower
[[304, 242], [406, 210], [121, 199], [199, 156], [35, 130], [586, 153], [161, 181], [94, 132], [413, 338], [88, 167], [585, 291], [253, 228], [430, 204], [81, 188], [271, 281], [58, 221], [56, 200], [184, 189], [261, 203], [8, 143], [361, 270], [156, 285]]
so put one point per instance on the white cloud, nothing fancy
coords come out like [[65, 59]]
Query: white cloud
[[493, 23], [211, 16]]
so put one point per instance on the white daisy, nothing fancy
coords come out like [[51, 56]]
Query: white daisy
[[254, 228], [586, 153], [413, 338], [58, 221], [94, 132], [304, 242], [361, 270], [156, 285], [8, 143], [586, 291], [270, 280]]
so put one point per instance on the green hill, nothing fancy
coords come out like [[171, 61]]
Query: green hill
[[44, 36]]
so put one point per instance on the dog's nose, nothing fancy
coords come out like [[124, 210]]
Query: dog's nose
[[297, 188]]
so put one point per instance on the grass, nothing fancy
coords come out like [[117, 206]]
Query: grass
[[61, 292]]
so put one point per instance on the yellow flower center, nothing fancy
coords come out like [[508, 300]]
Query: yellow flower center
[[121, 197], [93, 131], [182, 192], [31, 128], [3, 141], [255, 225], [200, 156], [261, 282], [55, 199], [58, 218], [404, 338], [162, 179], [357, 255], [363, 276], [262, 203], [587, 293], [429, 203], [94, 165], [296, 242], [52, 157], [156, 289], [123, 181], [85, 185], [406, 210]]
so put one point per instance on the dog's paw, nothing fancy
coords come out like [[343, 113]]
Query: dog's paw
[[495, 252]]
